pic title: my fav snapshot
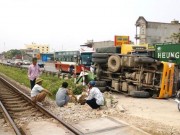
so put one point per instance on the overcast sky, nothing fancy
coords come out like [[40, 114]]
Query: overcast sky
[[70, 23]]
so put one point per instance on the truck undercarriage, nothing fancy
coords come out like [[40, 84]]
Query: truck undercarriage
[[139, 76]]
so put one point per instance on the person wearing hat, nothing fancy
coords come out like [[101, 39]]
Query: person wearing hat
[[62, 95], [38, 93], [95, 98], [33, 72]]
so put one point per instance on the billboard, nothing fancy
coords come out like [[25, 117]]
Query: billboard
[[119, 40], [168, 52]]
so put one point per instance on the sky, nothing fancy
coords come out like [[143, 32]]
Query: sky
[[67, 24]]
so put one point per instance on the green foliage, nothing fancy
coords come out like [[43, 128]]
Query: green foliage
[[90, 76], [78, 89], [20, 75], [49, 82], [12, 53], [176, 37]]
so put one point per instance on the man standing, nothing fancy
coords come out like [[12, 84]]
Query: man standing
[[33, 72], [95, 98]]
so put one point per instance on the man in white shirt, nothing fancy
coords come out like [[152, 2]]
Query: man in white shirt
[[95, 98], [38, 93]]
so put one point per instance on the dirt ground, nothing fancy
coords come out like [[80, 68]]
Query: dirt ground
[[158, 116]]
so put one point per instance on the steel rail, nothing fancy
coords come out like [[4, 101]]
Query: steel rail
[[42, 109], [9, 119]]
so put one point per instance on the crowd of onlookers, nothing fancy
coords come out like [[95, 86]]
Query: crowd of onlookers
[[93, 97]]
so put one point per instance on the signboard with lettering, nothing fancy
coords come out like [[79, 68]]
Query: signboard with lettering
[[168, 52], [119, 40]]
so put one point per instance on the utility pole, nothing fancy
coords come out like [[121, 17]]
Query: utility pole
[[54, 55], [4, 46], [4, 51], [22, 58]]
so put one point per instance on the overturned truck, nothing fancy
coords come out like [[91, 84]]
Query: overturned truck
[[135, 73]]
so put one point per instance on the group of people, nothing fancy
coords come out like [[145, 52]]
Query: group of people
[[94, 99]]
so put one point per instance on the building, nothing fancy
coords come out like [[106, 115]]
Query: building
[[155, 32], [43, 48], [99, 44], [31, 52], [102, 44]]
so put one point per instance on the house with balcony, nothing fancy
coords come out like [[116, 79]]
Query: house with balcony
[[151, 32]]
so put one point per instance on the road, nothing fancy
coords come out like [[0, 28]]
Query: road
[[48, 66]]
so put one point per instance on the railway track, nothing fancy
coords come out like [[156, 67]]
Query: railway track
[[7, 121], [19, 110]]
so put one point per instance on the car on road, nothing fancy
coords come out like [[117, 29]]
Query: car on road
[[26, 62], [18, 62], [12, 62], [8, 61], [40, 63]]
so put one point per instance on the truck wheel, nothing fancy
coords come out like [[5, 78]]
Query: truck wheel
[[139, 94], [102, 89], [179, 106], [108, 50], [114, 63], [98, 72], [178, 85], [144, 60], [100, 84], [178, 95], [99, 55], [99, 60]]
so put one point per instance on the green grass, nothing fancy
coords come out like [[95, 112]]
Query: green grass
[[49, 82], [19, 75]]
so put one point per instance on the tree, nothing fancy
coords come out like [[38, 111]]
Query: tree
[[12, 53], [176, 37]]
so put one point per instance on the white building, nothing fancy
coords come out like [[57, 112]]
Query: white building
[[155, 32]]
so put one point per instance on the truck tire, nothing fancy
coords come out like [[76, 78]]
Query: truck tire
[[114, 63], [100, 84], [178, 85], [139, 94], [98, 72], [144, 60], [99, 55], [102, 89], [108, 50], [179, 106], [99, 60], [178, 95]]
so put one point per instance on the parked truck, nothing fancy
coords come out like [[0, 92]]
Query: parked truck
[[134, 72]]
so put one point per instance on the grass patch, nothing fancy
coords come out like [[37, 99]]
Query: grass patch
[[49, 82]]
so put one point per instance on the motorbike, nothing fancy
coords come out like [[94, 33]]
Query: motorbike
[[178, 99]]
